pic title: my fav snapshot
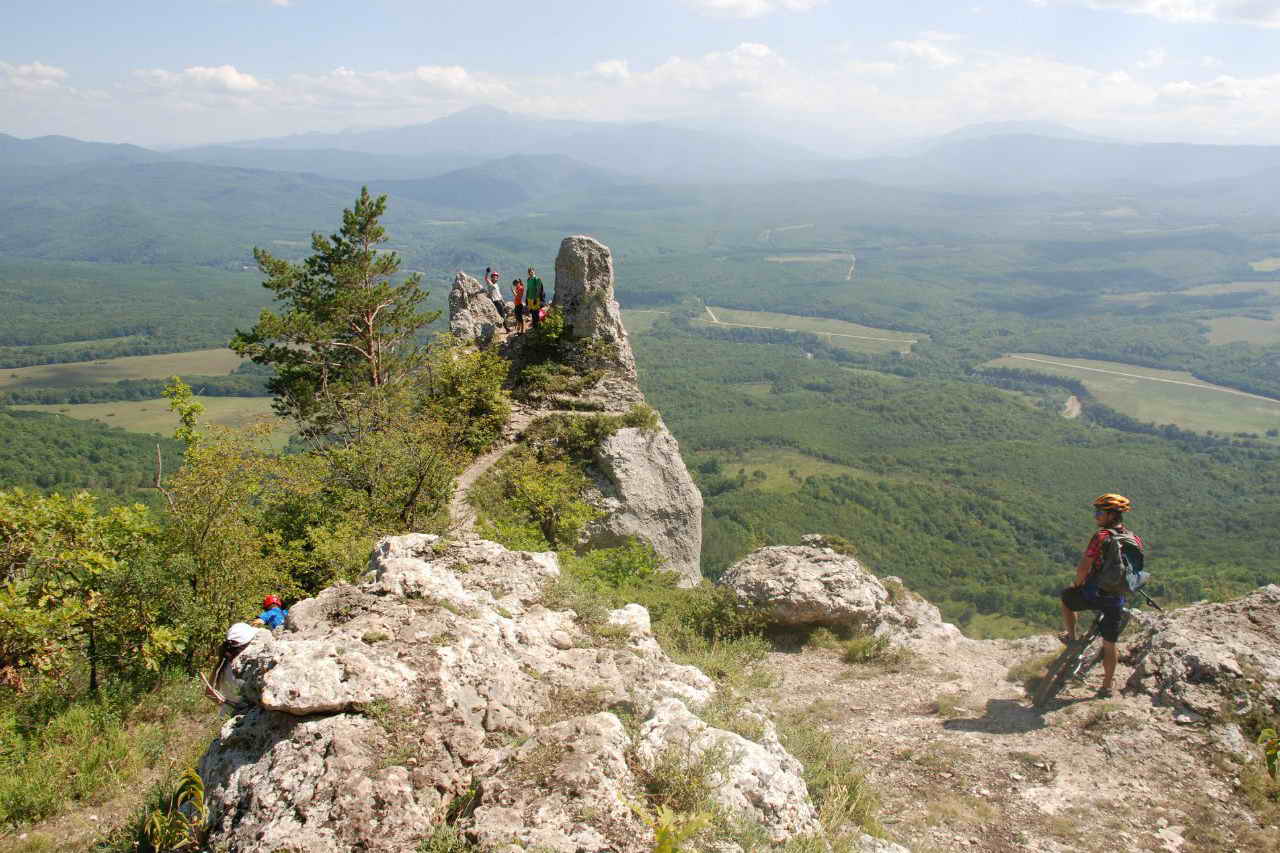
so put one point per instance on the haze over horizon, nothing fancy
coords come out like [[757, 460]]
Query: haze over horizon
[[831, 75]]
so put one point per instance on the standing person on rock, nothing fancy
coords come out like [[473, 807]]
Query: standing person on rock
[[535, 296], [517, 296], [491, 283], [1086, 594]]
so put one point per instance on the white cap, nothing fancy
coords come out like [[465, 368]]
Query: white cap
[[241, 634]]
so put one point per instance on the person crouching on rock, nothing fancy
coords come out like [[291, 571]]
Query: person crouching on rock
[[222, 686], [1085, 593], [272, 615]]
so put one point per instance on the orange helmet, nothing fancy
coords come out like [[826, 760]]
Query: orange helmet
[[1112, 503]]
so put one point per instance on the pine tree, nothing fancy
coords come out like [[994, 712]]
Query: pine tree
[[344, 327]]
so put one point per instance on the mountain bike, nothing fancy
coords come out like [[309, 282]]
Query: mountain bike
[[1080, 656]]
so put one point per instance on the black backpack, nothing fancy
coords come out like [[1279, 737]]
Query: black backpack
[[1121, 572]]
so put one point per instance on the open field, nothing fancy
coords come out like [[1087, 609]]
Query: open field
[[208, 362], [1225, 330], [1267, 265], [777, 465], [850, 336], [1159, 396], [640, 320], [153, 416], [809, 258], [1147, 298]]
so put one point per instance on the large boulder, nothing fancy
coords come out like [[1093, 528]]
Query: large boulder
[[473, 318], [814, 585], [443, 688], [1208, 657], [584, 292], [645, 491]]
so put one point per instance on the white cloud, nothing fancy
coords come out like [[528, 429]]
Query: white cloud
[[1262, 92], [1038, 87], [1210, 62], [754, 8], [1153, 58], [747, 64], [926, 50], [32, 77], [280, 2], [872, 69], [612, 69], [219, 79], [852, 95], [1261, 13]]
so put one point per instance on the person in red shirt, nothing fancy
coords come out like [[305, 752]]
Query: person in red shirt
[[1084, 594], [517, 295]]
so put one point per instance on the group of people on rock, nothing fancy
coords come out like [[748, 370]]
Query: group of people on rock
[[528, 297]]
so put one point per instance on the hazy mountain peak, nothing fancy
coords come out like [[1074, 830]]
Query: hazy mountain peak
[[1050, 129]]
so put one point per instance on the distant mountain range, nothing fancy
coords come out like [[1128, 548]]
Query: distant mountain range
[[1026, 162], [505, 182], [70, 199], [481, 151]]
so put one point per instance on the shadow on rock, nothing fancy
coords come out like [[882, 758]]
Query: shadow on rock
[[1003, 717]]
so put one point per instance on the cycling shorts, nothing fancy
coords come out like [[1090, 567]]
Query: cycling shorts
[[1080, 598]]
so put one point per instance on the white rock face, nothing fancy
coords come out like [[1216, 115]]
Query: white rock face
[[762, 781], [443, 673], [1207, 655], [646, 492], [810, 585], [472, 315], [584, 292]]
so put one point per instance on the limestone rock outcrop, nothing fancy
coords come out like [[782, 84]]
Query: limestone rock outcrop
[[1206, 657], [645, 491], [473, 318], [584, 292], [444, 679], [812, 584]]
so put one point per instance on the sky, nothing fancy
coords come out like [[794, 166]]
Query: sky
[[837, 75]]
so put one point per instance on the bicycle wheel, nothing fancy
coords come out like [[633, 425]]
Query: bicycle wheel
[[1058, 673]]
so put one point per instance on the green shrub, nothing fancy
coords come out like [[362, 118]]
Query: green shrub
[[539, 381], [1270, 743], [682, 780], [446, 838], [847, 805], [577, 436], [704, 625], [91, 748], [523, 490]]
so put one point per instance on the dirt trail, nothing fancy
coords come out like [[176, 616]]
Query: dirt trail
[[717, 321], [1147, 378], [962, 762], [462, 517]]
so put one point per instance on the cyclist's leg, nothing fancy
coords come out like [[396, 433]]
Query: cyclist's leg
[[1109, 657], [1068, 621], [1109, 627], [1073, 601]]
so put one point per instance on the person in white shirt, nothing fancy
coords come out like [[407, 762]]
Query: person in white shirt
[[491, 279]]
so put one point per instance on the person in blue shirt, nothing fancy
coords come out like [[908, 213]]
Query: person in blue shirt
[[272, 614]]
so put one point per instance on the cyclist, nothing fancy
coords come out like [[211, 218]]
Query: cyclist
[[1084, 594]]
